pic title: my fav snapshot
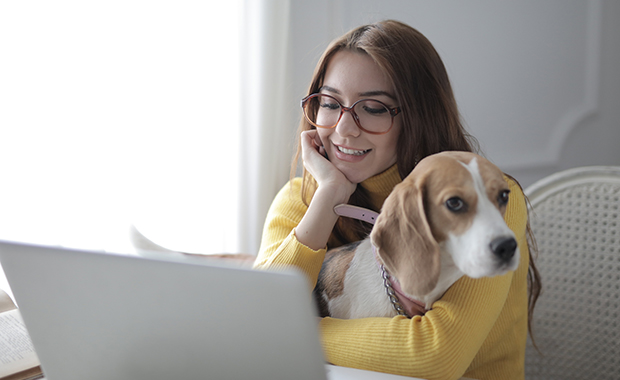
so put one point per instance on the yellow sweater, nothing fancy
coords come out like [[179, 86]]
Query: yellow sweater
[[477, 329]]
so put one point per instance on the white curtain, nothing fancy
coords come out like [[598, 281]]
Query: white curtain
[[269, 120], [128, 112]]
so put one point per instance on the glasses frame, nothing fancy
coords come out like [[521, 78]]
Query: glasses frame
[[393, 112]]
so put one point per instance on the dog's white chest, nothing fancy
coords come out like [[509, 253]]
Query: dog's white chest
[[364, 295]]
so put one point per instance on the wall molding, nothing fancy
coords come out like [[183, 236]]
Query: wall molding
[[578, 114]]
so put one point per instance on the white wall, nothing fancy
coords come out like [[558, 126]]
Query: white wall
[[536, 82]]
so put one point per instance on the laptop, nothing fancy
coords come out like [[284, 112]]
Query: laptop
[[103, 316]]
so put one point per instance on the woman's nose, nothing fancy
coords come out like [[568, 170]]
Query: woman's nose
[[347, 125]]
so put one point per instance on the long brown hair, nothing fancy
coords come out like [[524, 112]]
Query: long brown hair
[[431, 122]]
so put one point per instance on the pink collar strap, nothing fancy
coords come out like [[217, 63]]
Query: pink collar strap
[[356, 212]]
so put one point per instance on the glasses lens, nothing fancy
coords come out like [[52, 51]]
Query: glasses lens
[[322, 111], [373, 115]]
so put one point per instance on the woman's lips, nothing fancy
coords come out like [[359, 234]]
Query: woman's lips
[[350, 154]]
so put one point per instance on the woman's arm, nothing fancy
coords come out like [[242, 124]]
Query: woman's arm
[[279, 245], [439, 345], [296, 234]]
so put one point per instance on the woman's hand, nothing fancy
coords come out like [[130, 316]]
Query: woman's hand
[[334, 188], [327, 176]]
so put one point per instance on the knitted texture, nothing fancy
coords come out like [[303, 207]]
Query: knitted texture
[[577, 319]]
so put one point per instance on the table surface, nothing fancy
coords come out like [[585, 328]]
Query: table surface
[[344, 373]]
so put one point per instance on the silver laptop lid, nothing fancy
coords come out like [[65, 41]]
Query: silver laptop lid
[[102, 316]]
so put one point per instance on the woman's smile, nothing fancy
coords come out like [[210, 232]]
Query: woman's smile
[[350, 154], [353, 151]]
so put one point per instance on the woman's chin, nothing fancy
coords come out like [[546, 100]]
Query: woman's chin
[[354, 176]]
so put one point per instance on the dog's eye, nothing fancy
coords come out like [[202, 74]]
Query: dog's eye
[[502, 198], [455, 204]]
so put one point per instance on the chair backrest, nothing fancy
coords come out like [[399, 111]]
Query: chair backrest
[[575, 219]]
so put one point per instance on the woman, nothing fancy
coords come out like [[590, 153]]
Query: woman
[[402, 109]]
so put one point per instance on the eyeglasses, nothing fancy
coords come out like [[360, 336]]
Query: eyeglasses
[[372, 116]]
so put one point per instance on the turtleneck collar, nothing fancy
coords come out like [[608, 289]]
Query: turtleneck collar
[[381, 185]]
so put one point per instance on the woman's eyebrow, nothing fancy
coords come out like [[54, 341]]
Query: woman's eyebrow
[[361, 94], [330, 89], [378, 93]]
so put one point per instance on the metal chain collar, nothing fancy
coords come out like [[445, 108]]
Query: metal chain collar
[[391, 293]]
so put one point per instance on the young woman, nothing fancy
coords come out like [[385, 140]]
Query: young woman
[[380, 101]]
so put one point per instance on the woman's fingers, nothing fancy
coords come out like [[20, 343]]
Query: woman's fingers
[[318, 165], [311, 148], [319, 144]]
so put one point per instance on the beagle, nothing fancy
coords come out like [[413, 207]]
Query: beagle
[[443, 221]]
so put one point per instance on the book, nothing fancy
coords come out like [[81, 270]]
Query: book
[[18, 360]]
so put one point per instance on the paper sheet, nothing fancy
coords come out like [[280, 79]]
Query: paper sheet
[[16, 349]]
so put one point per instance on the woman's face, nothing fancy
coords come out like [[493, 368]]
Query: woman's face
[[351, 76]]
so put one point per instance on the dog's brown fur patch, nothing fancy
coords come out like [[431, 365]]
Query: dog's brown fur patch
[[333, 271]]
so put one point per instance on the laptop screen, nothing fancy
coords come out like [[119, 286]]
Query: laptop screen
[[104, 316]]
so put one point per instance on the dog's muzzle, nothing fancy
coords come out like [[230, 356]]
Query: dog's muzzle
[[504, 248]]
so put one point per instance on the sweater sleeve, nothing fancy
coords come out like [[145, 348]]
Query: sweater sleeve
[[441, 344], [279, 245]]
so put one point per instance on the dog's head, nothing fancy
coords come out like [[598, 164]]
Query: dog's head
[[451, 201]]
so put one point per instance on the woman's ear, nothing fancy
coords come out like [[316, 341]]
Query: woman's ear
[[404, 242]]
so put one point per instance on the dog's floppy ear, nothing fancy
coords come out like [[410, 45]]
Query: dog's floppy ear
[[404, 240]]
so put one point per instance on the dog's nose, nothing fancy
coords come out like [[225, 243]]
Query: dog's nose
[[504, 247]]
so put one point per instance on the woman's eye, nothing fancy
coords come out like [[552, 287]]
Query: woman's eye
[[376, 111], [503, 197], [330, 105], [455, 204], [374, 108]]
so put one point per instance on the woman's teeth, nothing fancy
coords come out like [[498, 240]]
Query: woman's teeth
[[353, 152]]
